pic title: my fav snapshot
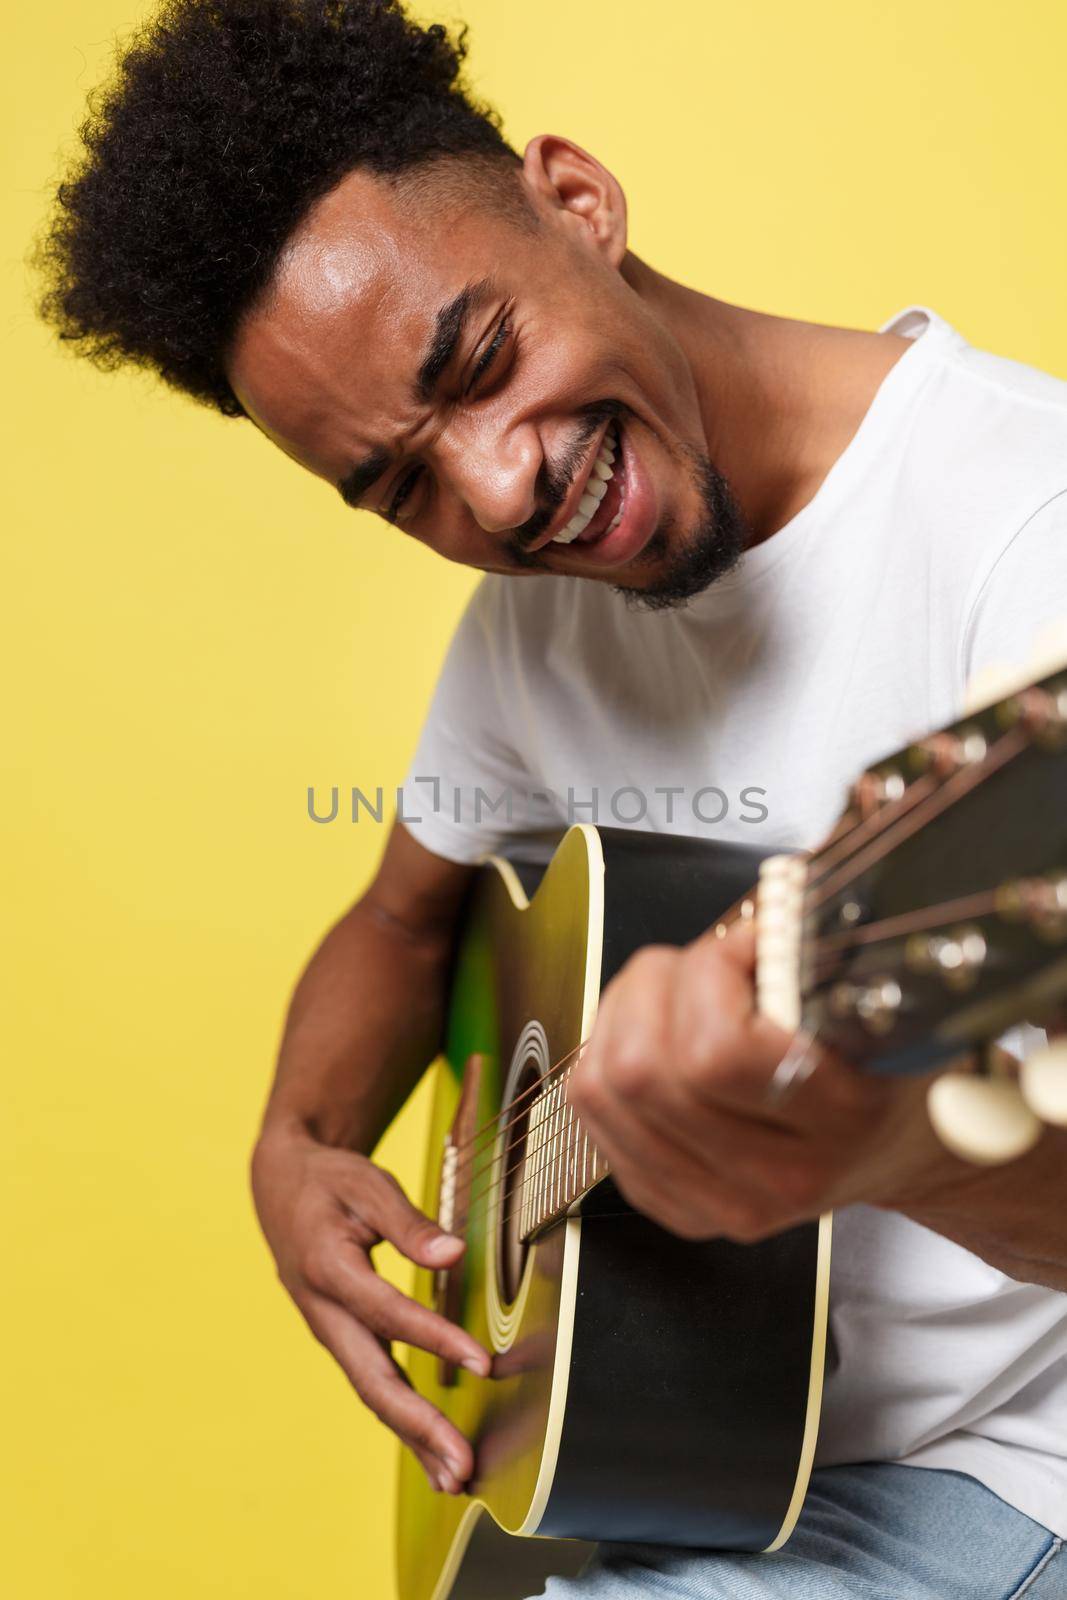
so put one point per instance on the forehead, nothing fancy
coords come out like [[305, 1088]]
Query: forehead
[[324, 363]]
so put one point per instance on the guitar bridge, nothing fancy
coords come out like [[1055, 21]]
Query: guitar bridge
[[453, 1200]]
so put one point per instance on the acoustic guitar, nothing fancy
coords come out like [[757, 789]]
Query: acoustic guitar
[[645, 1387]]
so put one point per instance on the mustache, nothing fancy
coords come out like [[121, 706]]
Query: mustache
[[556, 479]]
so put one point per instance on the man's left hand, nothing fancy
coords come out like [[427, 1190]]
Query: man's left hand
[[674, 1089]]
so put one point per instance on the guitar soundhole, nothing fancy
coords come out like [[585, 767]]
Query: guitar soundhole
[[512, 1252]]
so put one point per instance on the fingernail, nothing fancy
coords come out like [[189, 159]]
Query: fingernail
[[442, 1246], [476, 1364]]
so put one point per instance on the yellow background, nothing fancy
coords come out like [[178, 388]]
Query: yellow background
[[196, 632]]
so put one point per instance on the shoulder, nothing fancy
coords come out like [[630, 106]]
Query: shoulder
[[990, 424], [1005, 384], [985, 452]]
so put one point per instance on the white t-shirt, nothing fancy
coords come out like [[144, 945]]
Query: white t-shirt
[[936, 544]]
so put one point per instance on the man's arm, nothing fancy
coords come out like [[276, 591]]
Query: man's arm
[[1014, 1216], [364, 1022]]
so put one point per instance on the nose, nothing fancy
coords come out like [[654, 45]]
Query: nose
[[494, 471]]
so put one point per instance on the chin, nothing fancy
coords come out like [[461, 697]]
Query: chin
[[672, 570]]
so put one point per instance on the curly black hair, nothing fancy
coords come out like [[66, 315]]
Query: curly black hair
[[224, 121]]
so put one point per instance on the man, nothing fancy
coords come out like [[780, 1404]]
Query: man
[[726, 550]]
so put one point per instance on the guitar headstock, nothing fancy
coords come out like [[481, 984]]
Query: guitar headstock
[[934, 918]]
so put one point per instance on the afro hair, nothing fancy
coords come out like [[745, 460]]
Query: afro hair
[[222, 124]]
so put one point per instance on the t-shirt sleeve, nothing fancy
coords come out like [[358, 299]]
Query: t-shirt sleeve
[[1023, 595], [468, 790]]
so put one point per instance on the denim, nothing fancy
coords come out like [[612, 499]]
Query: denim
[[872, 1532]]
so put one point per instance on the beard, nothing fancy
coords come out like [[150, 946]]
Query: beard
[[680, 565], [689, 565]]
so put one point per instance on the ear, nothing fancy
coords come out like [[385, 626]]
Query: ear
[[571, 182]]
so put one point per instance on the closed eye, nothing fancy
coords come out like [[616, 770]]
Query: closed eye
[[482, 366], [490, 353], [406, 485]]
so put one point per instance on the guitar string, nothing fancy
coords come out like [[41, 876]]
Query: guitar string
[[905, 922], [831, 854], [731, 914], [728, 916], [491, 1126], [870, 826], [925, 918], [947, 912], [946, 793], [943, 914], [551, 1074], [546, 1139], [546, 1155], [960, 784]]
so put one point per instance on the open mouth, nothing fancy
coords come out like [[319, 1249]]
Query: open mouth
[[603, 499]]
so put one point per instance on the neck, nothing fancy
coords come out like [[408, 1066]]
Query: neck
[[779, 399]]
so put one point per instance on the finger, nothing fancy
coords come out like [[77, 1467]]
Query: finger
[[385, 1390], [738, 947], [348, 1277], [734, 1051], [681, 1190], [630, 1036], [722, 1140], [383, 1206]]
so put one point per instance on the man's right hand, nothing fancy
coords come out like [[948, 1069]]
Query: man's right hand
[[323, 1210]]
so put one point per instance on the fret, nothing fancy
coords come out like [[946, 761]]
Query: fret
[[535, 1169], [546, 1159], [546, 1165], [535, 1189], [557, 1143], [522, 1172], [572, 1148], [533, 1146], [557, 1108], [567, 1114], [524, 1207], [560, 1161], [567, 1178], [565, 1144]]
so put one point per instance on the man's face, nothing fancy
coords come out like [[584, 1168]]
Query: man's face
[[498, 389]]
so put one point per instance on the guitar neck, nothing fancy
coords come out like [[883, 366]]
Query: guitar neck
[[562, 1162]]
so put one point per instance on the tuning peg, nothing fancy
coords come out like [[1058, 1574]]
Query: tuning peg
[[1043, 1080], [982, 1118]]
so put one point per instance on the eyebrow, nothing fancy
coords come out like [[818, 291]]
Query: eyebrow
[[449, 326]]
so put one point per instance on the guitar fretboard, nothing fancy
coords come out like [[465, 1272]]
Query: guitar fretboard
[[560, 1162]]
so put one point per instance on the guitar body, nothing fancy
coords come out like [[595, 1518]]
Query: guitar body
[[644, 1388]]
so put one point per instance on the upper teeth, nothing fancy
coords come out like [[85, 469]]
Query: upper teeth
[[595, 489]]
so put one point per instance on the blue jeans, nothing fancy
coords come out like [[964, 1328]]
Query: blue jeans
[[876, 1532]]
